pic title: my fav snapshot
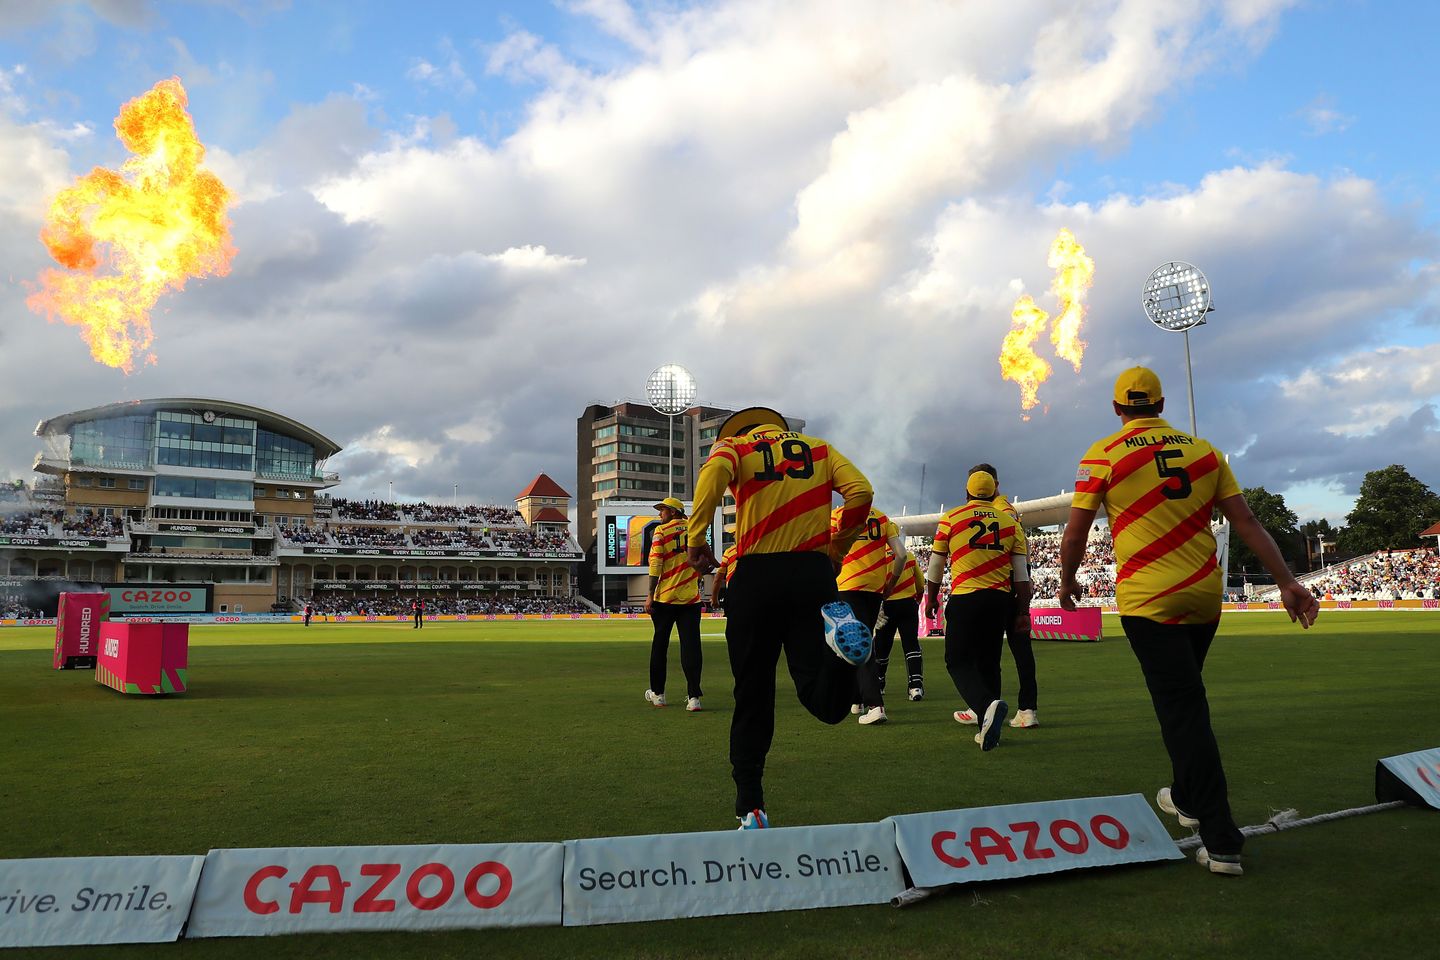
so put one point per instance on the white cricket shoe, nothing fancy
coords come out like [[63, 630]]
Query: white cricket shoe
[[916, 693], [654, 699], [967, 717], [994, 723], [1163, 801], [1025, 719], [873, 715], [856, 709], [1227, 864], [692, 705]]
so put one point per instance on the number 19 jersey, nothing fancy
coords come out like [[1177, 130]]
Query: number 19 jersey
[[781, 481], [1159, 487]]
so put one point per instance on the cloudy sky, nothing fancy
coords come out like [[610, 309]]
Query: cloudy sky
[[458, 224]]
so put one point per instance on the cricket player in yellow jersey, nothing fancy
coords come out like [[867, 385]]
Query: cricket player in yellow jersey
[[1160, 487], [900, 613], [1017, 635], [781, 593], [871, 566], [673, 601], [987, 555]]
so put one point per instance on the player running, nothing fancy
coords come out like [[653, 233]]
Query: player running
[[1160, 487], [673, 601], [781, 593]]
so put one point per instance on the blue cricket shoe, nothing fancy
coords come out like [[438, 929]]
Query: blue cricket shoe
[[846, 635]]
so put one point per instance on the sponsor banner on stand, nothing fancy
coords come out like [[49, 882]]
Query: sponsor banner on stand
[[261, 892], [1419, 771], [64, 901], [623, 879], [1026, 839]]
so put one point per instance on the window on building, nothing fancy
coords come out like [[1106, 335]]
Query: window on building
[[115, 442], [605, 449], [605, 485], [136, 483], [203, 488], [607, 467], [604, 432], [106, 483], [81, 481]]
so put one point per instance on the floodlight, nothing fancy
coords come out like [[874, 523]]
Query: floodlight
[[1176, 296], [670, 389]]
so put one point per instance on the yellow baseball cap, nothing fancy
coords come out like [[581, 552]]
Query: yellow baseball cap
[[742, 421], [1138, 386], [672, 503], [980, 486]]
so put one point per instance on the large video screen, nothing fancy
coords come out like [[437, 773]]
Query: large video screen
[[623, 534]]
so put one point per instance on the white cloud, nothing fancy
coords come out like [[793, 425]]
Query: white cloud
[[1321, 117], [448, 75]]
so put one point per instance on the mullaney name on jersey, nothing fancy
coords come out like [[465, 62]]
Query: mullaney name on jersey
[[1143, 441]]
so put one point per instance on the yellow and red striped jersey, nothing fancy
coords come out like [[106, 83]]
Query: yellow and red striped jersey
[[676, 580], [1159, 487], [868, 562], [979, 539], [781, 481], [726, 564], [908, 586]]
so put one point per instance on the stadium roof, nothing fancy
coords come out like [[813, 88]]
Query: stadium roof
[[551, 515], [543, 486], [268, 419], [1431, 531]]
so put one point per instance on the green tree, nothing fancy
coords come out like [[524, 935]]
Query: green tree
[[1392, 509], [1270, 509]]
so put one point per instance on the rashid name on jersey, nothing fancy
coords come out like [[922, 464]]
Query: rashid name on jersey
[[781, 481], [1159, 487]]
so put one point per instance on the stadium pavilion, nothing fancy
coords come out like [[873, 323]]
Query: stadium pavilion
[[228, 500]]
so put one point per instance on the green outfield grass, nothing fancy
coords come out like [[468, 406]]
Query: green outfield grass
[[504, 731]]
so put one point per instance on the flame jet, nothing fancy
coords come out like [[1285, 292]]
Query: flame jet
[[1074, 273], [1018, 360], [126, 237]]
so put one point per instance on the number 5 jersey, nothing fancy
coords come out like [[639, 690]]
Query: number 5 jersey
[[1159, 487]]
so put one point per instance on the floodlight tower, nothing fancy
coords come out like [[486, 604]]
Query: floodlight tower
[[1177, 297], [670, 390]]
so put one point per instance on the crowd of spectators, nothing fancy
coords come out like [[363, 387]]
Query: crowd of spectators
[[15, 610], [1391, 575], [400, 605], [529, 540], [303, 534], [365, 509], [31, 523], [367, 537], [87, 524], [460, 538], [423, 512], [464, 539]]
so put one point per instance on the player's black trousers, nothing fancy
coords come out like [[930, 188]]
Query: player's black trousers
[[902, 616], [1172, 657], [866, 606], [419, 619], [685, 616], [772, 602], [974, 634], [1024, 655]]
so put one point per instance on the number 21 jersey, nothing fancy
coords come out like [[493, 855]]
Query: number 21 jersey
[[1159, 487]]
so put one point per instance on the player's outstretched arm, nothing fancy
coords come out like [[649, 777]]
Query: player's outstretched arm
[[1072, 553], [1300, 603]]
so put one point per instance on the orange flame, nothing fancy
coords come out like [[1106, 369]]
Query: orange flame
[[1074, 273], [126, 237], [1018, 362]]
